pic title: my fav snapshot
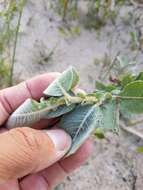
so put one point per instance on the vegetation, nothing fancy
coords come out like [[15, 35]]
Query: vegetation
[[82, 113], [98, 14], [113, 106], [10, 17]]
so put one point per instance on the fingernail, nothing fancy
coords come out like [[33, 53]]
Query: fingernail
[[60, 138]]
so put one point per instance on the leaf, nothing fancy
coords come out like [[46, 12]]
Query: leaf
[[100, 86], [110, 117], [132, 97], [140, 149], [122, 61], [61, 110], [66, 81], [32, 111], [103, 87], [80, 123], [140, 76], [126, 79], [26, 114]]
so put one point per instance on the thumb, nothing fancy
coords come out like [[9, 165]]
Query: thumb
[[26, 150]]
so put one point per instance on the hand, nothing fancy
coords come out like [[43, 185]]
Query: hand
[[29, 158]]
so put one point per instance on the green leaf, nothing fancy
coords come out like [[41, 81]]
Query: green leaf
[[140, 76], [100, 86], [32, 111], [103, 87], [110, 117], [123, 61], [126, 79], [132, 97], [140, 149], [80, 123], [26, 114], [65, 82], [61, 110]]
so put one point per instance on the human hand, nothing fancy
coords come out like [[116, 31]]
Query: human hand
[[29, 158]]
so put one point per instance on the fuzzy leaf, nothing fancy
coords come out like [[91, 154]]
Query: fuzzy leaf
[[26, 115], [103, 87], [32, 111], [110, 117], [140, 76], [140, 149], [67, 80], [133, 101], [126, 79], [80, 123], [61, 110], [100, 86]]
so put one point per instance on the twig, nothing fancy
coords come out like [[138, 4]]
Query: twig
[[117, 114], [139, 5], [135, 122], [129, 97], [132, 131], [110, 67], [65, 9]]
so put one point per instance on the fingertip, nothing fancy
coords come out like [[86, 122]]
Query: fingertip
[[76, 160], [39, 83], [83, 152], [60, 138]]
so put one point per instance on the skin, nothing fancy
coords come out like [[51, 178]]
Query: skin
[[29, 158]]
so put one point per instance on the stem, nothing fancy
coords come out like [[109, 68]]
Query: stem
[[117, 115], [15, 45], [60, 102], [136, 4], [129, 97], [65, 9], [132, 131], [110, 67], [132, 123], [8, 30]]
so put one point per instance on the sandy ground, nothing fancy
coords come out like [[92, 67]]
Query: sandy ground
[[113, 164]]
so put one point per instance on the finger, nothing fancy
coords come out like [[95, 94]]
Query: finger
[[10, 185], [74, 161], [53, 175], [12, 97], [45, 123], [26, 150]]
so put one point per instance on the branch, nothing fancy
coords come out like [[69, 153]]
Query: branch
[[129, 97], [132, 131]]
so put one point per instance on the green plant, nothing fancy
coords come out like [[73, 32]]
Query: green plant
[[114, 68], [4, 73], [66, 8], [8, 36], [83, 113], [98, 12], [134, 40]]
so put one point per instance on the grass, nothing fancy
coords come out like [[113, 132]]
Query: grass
[[114, 67], [4, 73], [98, 12], [10, 18]]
